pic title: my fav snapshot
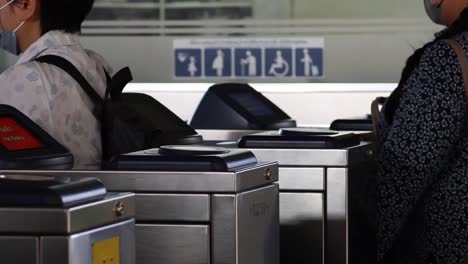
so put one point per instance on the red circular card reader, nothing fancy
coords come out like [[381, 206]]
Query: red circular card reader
[[24, 145]]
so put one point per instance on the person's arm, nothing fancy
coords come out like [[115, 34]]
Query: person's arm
[[421, 140]]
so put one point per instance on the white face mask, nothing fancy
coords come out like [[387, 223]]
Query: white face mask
[[8, 38], [434, 11]]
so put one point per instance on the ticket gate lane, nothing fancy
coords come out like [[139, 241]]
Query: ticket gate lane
[[319, 180], [199, 217], [322, 180]]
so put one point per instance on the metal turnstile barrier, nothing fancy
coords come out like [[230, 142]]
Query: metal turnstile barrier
[[321, 203], [325, 176], [201, 217], [325, 195], [91, 233]]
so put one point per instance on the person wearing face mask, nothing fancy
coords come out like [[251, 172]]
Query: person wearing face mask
[[46, 93], [422, 180]]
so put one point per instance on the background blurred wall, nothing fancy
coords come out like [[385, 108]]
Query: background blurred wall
[[307, 9], [366, 41]]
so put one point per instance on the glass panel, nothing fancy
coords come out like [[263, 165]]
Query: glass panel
[[219, 9], [125, 10], [255, 9], [210, 10], [383, 32], [361, 9]]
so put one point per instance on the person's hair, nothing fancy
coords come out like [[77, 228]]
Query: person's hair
[[65, 15], [460, 25]]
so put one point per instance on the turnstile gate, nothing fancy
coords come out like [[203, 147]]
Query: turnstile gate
[[42, 228], [185, 217], [325, 195]]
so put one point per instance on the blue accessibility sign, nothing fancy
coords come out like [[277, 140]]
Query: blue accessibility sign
[[309, 62], [278, 62], [218, 62], [248, 62], [188, 63]]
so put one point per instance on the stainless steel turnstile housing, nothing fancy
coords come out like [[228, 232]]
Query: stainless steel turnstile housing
[[85, 234], [324, 199], [202, 217], [322, 203]]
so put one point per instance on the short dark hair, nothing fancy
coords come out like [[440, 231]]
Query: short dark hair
[[65, 15]]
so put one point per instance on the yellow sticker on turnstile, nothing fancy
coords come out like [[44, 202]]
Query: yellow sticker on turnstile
[[107, 251]]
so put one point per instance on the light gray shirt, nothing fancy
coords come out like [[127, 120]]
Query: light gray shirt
[[53, 99]]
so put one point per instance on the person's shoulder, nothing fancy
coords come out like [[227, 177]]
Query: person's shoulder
[[21, 84], [441, 48], [23, 72], [438, 50], [438, 57], [438, 67], [99, 58]]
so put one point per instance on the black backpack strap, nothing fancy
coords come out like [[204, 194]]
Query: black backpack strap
[[69, 68], [119, 81]]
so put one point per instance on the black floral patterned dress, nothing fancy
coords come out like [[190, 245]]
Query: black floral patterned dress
[[422, 182]]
